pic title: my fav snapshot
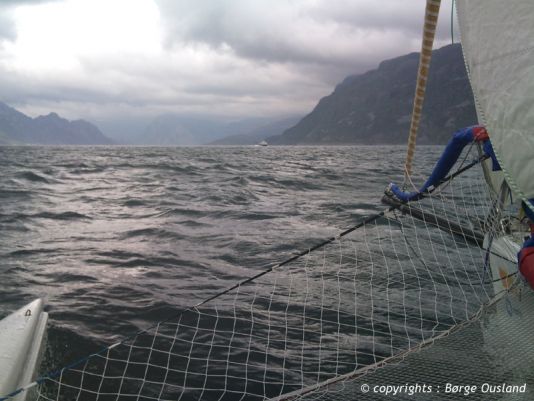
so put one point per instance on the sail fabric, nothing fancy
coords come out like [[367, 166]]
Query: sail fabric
[[498, 45]]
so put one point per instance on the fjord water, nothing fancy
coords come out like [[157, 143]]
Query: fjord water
[[118, 238]]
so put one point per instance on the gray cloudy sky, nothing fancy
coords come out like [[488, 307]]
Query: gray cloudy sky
[[119, 59]]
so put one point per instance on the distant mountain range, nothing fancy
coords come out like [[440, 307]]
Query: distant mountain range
[[165, 130], [258, 134], [182, 130], [375, 107], [370, 108], [18, 128]]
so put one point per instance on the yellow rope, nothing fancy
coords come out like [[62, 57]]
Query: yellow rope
[[429, 30]]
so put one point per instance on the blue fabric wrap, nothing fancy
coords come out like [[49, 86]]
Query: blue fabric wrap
[[488, 149], [529, 242], [450, 155], [528, 210]]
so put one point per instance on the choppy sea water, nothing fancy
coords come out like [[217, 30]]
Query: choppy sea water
[[118, 238]]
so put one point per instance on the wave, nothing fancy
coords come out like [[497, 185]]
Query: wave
[[16, 217], [30, 252], [73, 165], [134, 203], [60, 216], [15, 193], [182, 212], [33, 177], [152, 232], [88, 170], [189, 169]]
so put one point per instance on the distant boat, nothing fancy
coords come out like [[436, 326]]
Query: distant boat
[[263, 143]]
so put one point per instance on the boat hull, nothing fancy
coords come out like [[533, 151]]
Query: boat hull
[[22, 341]]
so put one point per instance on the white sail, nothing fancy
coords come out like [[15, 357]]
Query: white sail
[[498, 45]]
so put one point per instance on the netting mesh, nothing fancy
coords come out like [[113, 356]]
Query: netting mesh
[[312, 327], [489, 351]]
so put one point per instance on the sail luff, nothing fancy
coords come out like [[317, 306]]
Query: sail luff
[[497, 40]]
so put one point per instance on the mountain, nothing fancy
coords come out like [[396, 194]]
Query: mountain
[[18, 128], [121, 129], [258, 134], [183, 130], [375, 107], [176, 130]]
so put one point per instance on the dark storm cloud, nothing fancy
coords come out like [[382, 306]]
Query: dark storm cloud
[[230, 57], [298, 31]]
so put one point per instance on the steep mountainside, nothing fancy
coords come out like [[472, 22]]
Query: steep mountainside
[[375, 107]]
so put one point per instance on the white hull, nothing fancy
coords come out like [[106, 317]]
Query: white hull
[[22, 340]]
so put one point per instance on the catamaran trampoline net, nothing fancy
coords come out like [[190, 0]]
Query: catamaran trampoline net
[[361, 309]]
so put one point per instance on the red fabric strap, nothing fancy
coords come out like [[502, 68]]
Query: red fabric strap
[[526, 264], [480, 134]]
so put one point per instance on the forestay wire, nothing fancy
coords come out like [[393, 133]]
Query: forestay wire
[[380, 289]]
